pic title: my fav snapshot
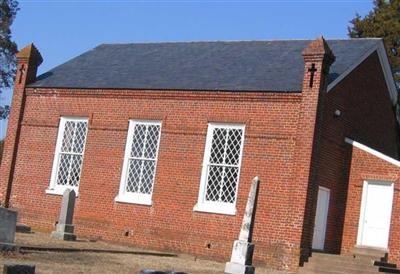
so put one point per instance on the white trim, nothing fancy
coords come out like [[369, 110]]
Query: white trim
[[59, 191], [387, 72], [53, 187], [363, 206], [362, 213], [373, 152], [134, 199], [215, 207], [129, 197]]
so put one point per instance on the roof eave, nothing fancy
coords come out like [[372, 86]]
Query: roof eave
[[33, 86]]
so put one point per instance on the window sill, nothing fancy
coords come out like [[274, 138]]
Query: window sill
[[130, 200], [60, 192], [218, 209]]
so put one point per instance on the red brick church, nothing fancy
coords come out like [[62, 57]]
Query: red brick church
[[161, 141]]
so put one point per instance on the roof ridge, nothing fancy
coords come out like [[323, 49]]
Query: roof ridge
[[232, 41]]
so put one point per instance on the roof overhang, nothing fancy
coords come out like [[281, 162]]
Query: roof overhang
[[373, 152], [387, 72]]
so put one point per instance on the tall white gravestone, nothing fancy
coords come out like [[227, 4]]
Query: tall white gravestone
[[242, 251], [65, 228]]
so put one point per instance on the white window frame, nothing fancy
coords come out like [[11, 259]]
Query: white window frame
[[53, 187], [129, 197], [217, 207]]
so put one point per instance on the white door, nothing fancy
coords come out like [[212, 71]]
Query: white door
[[376, 212], [321, 216]]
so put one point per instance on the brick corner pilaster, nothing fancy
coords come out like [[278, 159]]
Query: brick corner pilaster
[[28, 60]]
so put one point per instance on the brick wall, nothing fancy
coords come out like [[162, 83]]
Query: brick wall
[[170, 223], [283, 146], [367, 117], [365, 166]]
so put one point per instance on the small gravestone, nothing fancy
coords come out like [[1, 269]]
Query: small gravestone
[[8, 222], [150, 271], [65, 228], [18, 269], [23, 228], [242, 251]]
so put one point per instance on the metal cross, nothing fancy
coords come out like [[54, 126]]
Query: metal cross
[[21, 73], [312, 70]]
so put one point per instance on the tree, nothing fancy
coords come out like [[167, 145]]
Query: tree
[[383, 21], [8, 48]]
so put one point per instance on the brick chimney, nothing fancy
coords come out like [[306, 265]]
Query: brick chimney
[[318, 58], [28, 61]]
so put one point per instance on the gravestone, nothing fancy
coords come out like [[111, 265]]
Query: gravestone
[[242, 251], [65, 228], [18, 269], [8, 222], [23, 228], [150, 271]]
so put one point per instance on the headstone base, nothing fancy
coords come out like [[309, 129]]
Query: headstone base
[[18, 269], [7, 247], [242, 252], [235, 268], [23, 228], [63, 236]]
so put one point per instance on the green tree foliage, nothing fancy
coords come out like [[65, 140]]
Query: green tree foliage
[[8, 48], [383, 21]]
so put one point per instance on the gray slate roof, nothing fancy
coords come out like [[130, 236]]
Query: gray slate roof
[[236, 66]]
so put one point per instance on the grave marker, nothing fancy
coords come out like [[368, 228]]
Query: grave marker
[[242, 251], [65, 228]]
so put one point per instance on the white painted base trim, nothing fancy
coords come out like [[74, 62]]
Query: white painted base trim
[[218, 209]]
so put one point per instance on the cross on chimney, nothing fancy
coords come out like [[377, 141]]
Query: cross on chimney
[[21, 74], [312, 70]]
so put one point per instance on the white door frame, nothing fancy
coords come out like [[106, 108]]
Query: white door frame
[[363, 206], [326, 211]]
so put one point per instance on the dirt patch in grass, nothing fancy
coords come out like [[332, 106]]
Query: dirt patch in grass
[[99, 263]]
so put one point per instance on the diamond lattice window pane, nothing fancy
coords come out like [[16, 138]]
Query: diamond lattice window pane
[[63, 169], [75, 170], [146, 185], [80, 137], [142, 158], [214, 183], [233, 147], [138, 140], [223, 166], [218, 145], [133, 178], [228, 192], [153, 132], [68, 136], [71, 153]]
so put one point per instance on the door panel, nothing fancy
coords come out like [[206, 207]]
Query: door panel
[[377, 211], [321, 216]]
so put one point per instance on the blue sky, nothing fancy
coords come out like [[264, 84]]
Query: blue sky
[[67, 28]]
